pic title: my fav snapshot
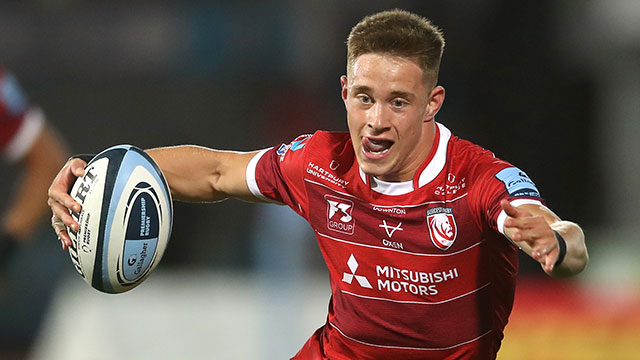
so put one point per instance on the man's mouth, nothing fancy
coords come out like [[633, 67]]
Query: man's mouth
[[376, 146]]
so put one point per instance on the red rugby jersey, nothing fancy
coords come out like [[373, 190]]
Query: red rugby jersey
[[20, 124], [418, 270]]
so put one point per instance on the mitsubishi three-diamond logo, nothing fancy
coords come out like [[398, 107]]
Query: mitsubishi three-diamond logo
[[348, 278]]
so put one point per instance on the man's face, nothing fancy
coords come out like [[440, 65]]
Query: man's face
[[390, 115]]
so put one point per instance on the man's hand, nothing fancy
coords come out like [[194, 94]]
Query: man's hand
[[61, 202], [533, 233]]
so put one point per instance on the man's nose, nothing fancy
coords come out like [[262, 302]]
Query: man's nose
[[378, 118]]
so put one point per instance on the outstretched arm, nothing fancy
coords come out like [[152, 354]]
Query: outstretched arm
[[198, 174], [532, 228], [194, 173]]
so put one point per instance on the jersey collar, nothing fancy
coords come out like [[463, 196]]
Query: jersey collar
[[430, 168]]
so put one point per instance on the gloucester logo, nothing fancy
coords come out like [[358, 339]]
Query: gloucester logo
[[442, 227], [339, 214]]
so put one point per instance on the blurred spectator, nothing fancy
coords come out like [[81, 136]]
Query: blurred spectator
[[29, 262]]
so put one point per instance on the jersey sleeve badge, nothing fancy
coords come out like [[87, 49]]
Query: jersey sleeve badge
[[297, 144], [517, 183]]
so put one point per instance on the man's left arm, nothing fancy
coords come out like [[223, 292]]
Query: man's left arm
[[533, 228]]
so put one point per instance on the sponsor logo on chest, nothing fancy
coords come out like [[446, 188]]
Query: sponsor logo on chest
[[396, 280], [391, 229], [453, 186], [321, 173], [348, 277], [339, 214]]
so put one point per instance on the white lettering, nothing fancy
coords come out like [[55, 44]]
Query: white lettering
[[403, 280], [398, 211], [143, 215], [390, 272], [449, 273], [340, 226], [393, 244], [323, 174], [437, 277], [403, 286], [143, 255]]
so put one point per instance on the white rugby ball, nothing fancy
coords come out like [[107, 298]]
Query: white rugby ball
[[125, 221]]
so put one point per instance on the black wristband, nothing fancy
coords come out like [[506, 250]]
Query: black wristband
[[84, 157], [562, 248]]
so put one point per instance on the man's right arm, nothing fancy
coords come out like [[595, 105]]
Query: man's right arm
[[199, 174], [194, 174]]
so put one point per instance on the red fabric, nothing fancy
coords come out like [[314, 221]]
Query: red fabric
[[397, 292], [312, 349]]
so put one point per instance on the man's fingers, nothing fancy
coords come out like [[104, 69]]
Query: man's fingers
[[525, 221], [65, 240], [60, 196], [77, 167], [529, 236], [61, 213], [511, 210], [61, 219], [550, 259], [61, 202], [67, 176], [545, 251], [520, 223], [530, 229], [61, 210], [61, 231]]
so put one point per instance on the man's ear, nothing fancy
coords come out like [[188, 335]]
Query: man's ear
[[436, 99], [344, 86]]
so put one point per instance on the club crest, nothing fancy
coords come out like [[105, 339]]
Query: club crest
[[442, 227]]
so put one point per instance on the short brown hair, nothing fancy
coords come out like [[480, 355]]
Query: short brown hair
[[399, 33]]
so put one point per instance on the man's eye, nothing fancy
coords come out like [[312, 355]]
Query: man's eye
[[364, 99], [398, 103]]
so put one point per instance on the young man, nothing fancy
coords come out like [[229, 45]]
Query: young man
[[409, 218]]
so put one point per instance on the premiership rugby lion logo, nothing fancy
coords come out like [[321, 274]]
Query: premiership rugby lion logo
[[442, 227]]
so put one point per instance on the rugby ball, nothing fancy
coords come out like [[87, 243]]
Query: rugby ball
[[125, 221]]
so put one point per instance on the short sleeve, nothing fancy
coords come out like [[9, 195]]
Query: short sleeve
[[20, 124], [499, 180], [276, 174]]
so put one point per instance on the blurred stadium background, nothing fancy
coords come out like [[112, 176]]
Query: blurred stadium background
[[552, 86]]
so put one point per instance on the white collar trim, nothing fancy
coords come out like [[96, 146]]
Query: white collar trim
[[391, 188], [439, 159]]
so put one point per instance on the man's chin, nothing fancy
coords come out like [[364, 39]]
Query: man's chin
[[376, 170]]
